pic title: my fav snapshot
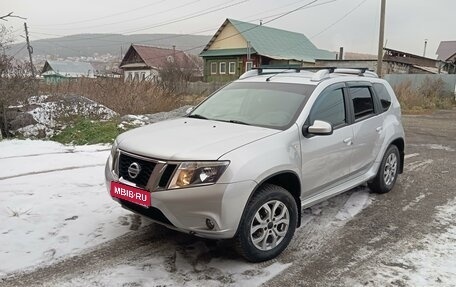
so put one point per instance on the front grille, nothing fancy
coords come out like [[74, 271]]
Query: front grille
[[151, 212], [146, 168]]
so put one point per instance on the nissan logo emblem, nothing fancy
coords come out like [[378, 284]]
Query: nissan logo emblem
[[134, 169]]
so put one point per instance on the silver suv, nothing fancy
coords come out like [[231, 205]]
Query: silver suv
[[248, 159]]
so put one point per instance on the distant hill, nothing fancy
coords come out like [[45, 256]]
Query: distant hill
[[90, 45]]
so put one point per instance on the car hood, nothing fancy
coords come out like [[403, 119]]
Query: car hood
[[190, 139]]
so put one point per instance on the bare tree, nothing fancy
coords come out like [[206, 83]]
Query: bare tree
[[11, 15], [175, 74], [16, 82]]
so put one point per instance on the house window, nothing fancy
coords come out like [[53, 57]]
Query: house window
[[130, 76], [232, 68], [136, 78], [143, 76], [222, 68], [213, 68], [248, 66]]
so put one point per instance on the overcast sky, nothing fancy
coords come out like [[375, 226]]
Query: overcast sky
[[353, 24]]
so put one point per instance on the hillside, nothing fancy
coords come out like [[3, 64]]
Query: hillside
[[89, 45]]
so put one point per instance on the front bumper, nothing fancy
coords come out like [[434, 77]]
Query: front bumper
[[188, 209]]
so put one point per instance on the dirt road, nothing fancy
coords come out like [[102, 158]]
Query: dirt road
[[331, 249]]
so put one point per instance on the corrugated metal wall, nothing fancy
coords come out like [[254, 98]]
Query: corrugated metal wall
[[418, 79]]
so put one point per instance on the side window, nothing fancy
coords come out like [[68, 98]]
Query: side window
[[222, 68], [383, 95], [362, 102], [329, 107]]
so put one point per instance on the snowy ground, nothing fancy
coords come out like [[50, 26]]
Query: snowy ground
[[53, 204], [433, 263]]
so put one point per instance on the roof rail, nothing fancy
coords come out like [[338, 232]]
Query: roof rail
[[320, 72], [262, 69]]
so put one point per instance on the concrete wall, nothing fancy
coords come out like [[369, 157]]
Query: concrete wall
[[449, 81]]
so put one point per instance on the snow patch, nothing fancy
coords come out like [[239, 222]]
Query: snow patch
[[357, 201], [48, 112], [435, 147], [433, 264]]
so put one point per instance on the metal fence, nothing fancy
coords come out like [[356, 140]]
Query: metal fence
[[417, 80]]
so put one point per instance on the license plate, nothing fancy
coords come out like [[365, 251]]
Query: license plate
[[130, 193]]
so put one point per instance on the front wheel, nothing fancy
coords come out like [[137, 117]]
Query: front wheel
[[268, 224], [387, 173]]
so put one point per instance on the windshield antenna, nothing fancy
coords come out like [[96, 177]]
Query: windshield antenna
[[269, 78]]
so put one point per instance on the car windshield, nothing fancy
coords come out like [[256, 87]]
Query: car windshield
[[265, 104]]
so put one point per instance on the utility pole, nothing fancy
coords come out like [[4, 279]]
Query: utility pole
[[381, 38], [30, 50]]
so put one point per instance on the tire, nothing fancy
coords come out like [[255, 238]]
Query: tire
[[388, 171], [258, 245]]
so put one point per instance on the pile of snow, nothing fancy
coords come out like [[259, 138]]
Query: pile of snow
[[43, 116], [133, 121]]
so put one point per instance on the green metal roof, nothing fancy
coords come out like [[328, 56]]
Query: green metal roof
[[275, 43], [225, 52]]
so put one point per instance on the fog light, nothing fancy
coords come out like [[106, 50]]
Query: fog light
[[210, 224]]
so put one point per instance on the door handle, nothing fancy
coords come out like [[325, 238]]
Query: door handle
[[379, 129], [348, 141]]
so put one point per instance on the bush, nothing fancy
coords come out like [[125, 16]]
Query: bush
[[429, 96], [123, 97]]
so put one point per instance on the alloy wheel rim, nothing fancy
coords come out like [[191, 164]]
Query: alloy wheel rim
[[389, 172], [270, 225]]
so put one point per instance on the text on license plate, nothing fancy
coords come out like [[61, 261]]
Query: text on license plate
[[130, 193]]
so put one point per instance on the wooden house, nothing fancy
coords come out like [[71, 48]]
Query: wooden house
[[238, 46], [142, 62], [56, 71]]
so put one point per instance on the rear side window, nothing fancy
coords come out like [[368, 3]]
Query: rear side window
[[329, 107], [383, 95], [362, 102]]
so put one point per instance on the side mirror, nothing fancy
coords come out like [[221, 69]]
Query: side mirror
[[189, 110], [320, 128]]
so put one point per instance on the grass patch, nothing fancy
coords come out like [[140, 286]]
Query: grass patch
[[85, 131]]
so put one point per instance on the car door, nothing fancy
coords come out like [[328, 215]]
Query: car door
[[326, 159], [367, 126]]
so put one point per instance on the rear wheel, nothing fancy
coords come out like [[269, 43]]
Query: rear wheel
[[387, 173], [268, 225]]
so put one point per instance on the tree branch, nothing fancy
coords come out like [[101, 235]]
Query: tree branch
[[10, 15]]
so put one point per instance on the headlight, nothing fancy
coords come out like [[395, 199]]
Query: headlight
[[197, 173]]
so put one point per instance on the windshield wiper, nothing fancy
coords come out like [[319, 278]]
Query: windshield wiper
[[196, 116], [235, 122], [239, 122]]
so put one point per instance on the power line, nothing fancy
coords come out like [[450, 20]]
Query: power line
[[176, 20], [104, 17], [188, 34], [339, 20], [275, 17], [20, 50], [134, 19], [249, 29]]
